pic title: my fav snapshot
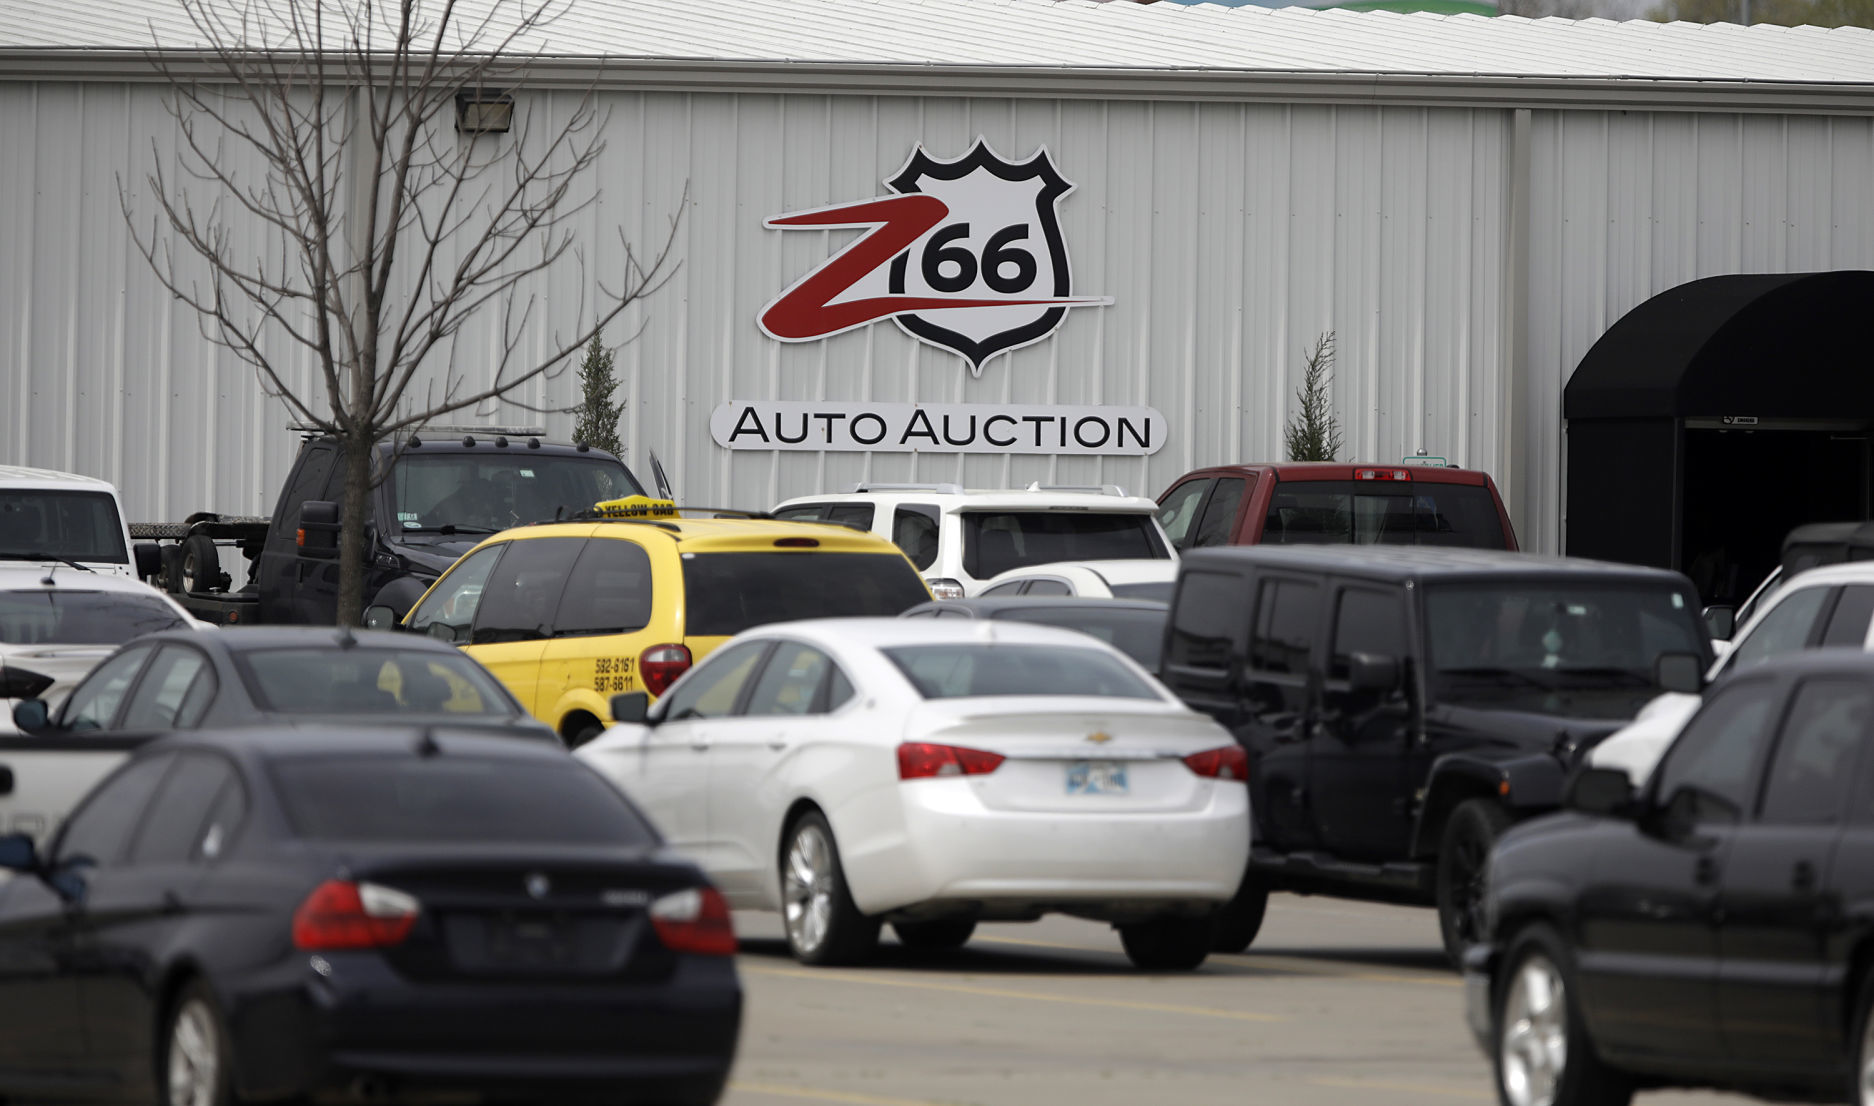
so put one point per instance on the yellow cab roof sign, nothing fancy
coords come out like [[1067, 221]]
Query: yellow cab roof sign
[[636, 506]]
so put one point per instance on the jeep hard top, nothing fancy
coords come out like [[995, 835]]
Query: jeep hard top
[[1402, 706]]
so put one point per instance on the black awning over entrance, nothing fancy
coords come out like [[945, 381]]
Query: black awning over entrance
[[1792, 345], [1717, 416]]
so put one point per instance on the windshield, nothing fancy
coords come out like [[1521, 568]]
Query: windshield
[[727, 593], [1136, 633], [1345, 512], [968, 670], [996, 541], [49, 617], [482, 493], [76, 526], [1576, 648], [370, 681], [449, 797]]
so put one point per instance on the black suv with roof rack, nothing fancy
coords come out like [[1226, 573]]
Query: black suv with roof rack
[[1401, 707], [448, 487]]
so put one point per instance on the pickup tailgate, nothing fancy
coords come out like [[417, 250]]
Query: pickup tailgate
[[42, 778]]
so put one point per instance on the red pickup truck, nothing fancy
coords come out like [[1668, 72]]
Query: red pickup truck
[[1335, 504]]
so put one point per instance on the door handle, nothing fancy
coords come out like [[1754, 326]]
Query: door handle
[[777, 743], [1705, 871], [700, 744], [171, 904], [1803, 877]]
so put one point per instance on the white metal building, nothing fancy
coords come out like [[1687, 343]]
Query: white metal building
[[1468, 203]]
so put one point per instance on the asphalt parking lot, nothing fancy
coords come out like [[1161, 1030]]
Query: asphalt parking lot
[[1337, 1002]]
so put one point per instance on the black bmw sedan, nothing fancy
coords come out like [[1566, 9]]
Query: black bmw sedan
[[1714, 927], [378, 913]]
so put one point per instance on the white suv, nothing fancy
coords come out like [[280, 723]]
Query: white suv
[[960, 538], [1828, 607]]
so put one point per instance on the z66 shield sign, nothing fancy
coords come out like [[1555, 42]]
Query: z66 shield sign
[[966, 254]]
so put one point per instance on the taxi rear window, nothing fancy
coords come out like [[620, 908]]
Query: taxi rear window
[[727, 593]]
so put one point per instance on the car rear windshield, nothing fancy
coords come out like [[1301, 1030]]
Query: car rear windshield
[[996, 541], [449, 798], [1139, 634], [76, 526], [1345, 512], [492, 491], [727, 593], [1572, 647], [48, 617], [370, 681], [969, 670]]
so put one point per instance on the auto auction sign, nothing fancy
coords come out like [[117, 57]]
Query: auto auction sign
[[938, 427], [965, 254]]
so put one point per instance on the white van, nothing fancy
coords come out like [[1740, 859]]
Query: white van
[[50, 518]]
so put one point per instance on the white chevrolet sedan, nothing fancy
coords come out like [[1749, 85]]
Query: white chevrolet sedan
[[934, 774]]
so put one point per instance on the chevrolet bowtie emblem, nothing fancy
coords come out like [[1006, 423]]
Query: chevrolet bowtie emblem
[[1099, 737]]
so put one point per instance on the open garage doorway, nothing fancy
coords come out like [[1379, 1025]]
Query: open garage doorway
[[1747, 486], [1715, 417]]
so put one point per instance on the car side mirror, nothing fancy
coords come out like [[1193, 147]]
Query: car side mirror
[[1372, 672], [31, 716], [318, 529], [18, 853], [149, 558], [1606, 792], [631, 706], [380, 617], [1681, 672], [1721, 621], [22, 683]]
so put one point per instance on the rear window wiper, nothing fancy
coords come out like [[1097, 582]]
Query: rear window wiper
[[46, 557]]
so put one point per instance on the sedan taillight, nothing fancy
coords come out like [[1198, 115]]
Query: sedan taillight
[[340, 914], [1228, 762], [660, 665], [920, 759], [695, 920]]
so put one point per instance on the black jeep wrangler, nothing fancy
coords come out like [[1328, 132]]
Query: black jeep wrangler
[[1402, 706]]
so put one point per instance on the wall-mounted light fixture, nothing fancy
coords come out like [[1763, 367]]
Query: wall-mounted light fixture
[[483, 111]]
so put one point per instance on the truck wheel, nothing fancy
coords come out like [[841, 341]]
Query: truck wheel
[[1242, 916], [1463, 863], [1168, 944], [1543, 1056], [196, 567]]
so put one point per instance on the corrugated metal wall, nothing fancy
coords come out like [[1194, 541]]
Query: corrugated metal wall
[[1627, 205], [1228, 235]]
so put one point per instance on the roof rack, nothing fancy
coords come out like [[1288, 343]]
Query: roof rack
[[940, 489], [444, 428], [1096, 489]]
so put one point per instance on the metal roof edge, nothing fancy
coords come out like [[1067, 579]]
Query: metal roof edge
[[1458, 90]]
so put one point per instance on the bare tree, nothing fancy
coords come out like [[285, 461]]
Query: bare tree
[[323, 202]]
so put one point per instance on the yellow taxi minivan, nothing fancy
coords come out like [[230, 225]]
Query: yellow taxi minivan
[[569, 614]]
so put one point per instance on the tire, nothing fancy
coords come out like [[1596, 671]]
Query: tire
[[198, 566], [823, 926], [1538, 1028], [935, 936], [1242, 916], [197, 1066], [1861, 1073], [1168, 944], [1463, 863]]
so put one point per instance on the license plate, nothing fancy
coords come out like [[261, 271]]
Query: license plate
[[1096, 777], [526, 941]]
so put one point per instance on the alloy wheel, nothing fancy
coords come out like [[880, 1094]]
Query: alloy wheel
[[807, 891], [194, 1056], [1864, 1079], [1472, 863], [1534, 1047]]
